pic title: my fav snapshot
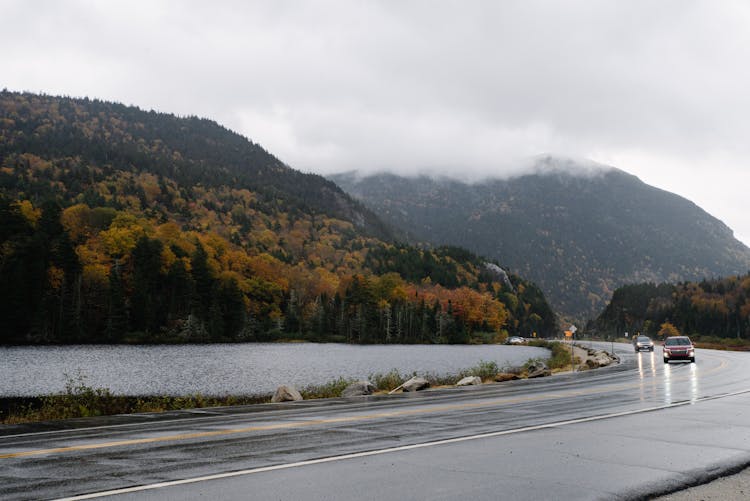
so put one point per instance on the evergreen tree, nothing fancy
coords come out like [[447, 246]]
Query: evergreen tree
[[117, 318], [147, 312]]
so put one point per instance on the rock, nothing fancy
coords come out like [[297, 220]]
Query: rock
[[499, 274], [358, 388], [537, 369], [469, 380], [539, 373], [286, 394], [415, 384], [506, 376], [601, 359]]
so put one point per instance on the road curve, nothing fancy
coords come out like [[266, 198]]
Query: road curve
[[624, 432]]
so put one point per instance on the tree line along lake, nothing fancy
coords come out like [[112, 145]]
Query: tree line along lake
[[231, 369]]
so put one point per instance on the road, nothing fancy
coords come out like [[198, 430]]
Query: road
[[625, 432]]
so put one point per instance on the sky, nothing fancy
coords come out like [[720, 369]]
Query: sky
[[468, 88]]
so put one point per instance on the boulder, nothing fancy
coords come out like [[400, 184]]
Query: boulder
[[601, 359], [499, 275], [505, 376], [358, 388], [415, 384], [537, 369], [286, 393], [469, 381]]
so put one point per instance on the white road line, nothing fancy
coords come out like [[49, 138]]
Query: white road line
[[344, 457]]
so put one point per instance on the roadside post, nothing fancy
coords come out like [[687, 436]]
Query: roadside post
[[569, 335]]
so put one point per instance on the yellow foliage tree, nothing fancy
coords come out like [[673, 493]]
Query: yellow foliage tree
[[667, 329], [75, 220], [122, 235], [28, 211]]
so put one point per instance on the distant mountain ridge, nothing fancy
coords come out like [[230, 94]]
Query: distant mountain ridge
[[579, 236]]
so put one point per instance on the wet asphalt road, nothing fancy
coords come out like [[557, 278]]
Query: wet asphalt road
[[624, 432]]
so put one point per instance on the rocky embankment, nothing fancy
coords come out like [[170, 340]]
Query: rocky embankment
[[593, 359], [583, 359]]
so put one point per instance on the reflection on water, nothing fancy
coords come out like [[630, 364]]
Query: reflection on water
[[237, 369]]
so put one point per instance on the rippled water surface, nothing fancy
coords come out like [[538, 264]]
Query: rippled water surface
[[222, 369]]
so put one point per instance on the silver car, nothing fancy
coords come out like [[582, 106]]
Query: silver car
[[643, 343]]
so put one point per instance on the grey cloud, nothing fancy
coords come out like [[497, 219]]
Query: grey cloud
[[470, 87]]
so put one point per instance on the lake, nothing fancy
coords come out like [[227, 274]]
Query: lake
[[231, 369]]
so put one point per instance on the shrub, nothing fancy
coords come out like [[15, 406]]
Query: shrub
[[560, 356], [484, 369], [328, 390], [387, 381]]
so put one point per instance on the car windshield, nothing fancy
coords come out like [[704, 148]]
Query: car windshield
[[677, 341], [643, 339]]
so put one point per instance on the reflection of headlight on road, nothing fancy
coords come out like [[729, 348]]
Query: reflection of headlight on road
[[667, 384], [693, 383], [653, 365]]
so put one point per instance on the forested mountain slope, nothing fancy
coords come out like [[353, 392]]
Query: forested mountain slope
[[120, 225], [719, 308], [578, 235], [91, 139]]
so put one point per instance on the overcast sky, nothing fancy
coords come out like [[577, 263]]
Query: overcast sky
[[660, 89]]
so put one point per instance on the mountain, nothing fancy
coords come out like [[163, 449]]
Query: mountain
[[577, 232], [190, 151], [123, 225]]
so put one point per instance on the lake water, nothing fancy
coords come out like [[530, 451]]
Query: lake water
[[236, 369]]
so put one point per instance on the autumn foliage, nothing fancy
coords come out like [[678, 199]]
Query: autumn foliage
[[711, 308], [118, 225]]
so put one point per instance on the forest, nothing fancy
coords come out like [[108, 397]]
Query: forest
[[718, 308], [119, 225]]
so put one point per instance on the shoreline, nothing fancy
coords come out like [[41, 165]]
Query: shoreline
[[81, 400]]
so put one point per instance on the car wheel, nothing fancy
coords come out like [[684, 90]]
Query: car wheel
[[692, 360], [652, 349], [666, 360]]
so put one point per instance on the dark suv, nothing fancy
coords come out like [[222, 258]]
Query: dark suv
[[643, 343], [678, 348]]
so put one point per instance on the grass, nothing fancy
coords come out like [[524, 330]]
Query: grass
[[560, 358], [327, 390], [81, 400], [720, 343]]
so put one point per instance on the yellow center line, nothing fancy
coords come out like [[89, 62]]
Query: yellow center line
[[345, 419]]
